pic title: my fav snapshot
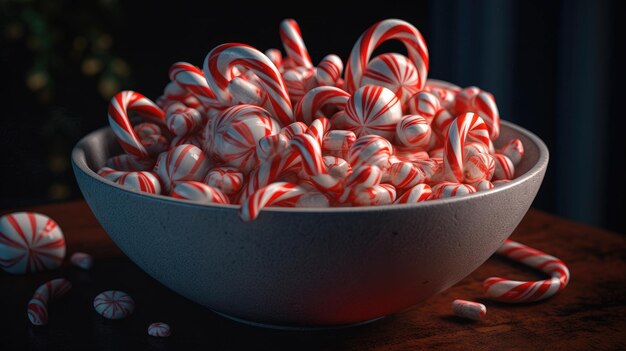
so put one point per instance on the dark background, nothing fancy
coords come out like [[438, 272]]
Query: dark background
[[555, 67]]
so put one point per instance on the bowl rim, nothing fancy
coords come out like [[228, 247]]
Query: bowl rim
[[540, 165]]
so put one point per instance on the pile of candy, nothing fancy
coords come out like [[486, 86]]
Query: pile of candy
[[261, 130]]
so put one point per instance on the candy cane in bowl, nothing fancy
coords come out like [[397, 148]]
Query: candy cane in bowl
[[37, 309], [218, 70], [467, 125], [191, 78], [373, 110], [328, 71], [197, 191], [377, 34], [414, 131], [293, 43], [316, 100], [184, 162], [394, 72], [474, 99], [119, 107], [282, 193]]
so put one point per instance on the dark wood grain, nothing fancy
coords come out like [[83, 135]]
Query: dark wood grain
[[589, 314]]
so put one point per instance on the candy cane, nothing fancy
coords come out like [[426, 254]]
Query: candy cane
[[424, 104], [377, 34], [37, 309], [373, 110], [269, 171], [218, 70], [191, 78], [310, 150], [227, 179], [119, 107], [311, 105], [405, 175], [418, 193], [291, 37], [276, 193], [294, 128], [513, 291], [394, 72], [329, 70], [318, 129], [473, 99], [197, 191], [479, 167], [514, 150], [275, 56], [182, 120], [445, 91], [450, 189], [504, 169], [338, 143], [464, 126], [372, 150]]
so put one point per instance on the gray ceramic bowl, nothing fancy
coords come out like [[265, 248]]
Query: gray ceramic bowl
[[308, 267]]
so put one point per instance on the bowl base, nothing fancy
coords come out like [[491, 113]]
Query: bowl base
[[298, 327]]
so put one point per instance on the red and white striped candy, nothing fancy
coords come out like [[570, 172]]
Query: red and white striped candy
[[114, 304], [270, 171], [120, 106], [313, 165], [363, 177], [298, 82], [445, 91], [483, 185], [513, 291], [227, 179], [504, 167], [275, 56], [371, 150], [271, 145], [197, 191], [424, 104], [182, 120], [418, 193], [338, 143], [337, 166], [294, 128], [430, 167], [479, 167], [37, 309], [448, 189], [473, 99], [146, 182], [394, 72], [383, 194], [414, 131], [441, 123], [279, 193], [110, 173], [184, 162], [192, 139], [466, 125], [318, 129], [313, 198], [129, 163], [404, 175], [469, 309], [155, 144], [245, 91], [158, 329], [218, 70], [407, 154], [147, 129], [30, 242], [291, 38], [380, 32], [235, 134], [82, 260], [373, 110], [329, 70], [191, 78], [514, 150], [316, 100]]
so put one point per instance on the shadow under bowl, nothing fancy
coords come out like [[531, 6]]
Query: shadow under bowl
[[308, 268]]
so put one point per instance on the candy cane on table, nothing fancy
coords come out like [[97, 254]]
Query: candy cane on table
[[218, 70], [377, 34], [313, 165], [418, 193], [329, 70], [311, 105], [282, 193], [373, 109], [191, 78], [37, 309], [197, 191], [467, 125], [119, 107], [394, 72], [513, 291], [291, 38]]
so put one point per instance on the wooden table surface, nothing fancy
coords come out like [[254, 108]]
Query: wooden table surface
[[589, 314]]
